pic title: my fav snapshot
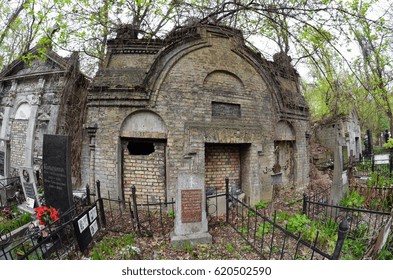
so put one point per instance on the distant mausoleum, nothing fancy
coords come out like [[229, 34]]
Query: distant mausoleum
[[343, 132]]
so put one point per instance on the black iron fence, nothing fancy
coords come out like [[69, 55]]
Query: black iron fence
[[356, 217], [274, 241], [268, 236], [143, 216], [11, 191], [129, 215], [54, 241], [373, 197], [363, 224], [367, 166]]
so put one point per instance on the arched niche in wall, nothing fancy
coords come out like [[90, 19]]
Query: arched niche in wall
[[284, 132], [144, 124], [221, 81], [23, 112]]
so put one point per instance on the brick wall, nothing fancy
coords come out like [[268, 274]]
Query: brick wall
[[146, 172], [222, 161], [18, 142]]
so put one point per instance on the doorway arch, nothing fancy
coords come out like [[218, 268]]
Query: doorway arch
[[143, 156]]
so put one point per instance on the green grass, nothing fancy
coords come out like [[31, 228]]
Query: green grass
[[110, 248], [6, 224]]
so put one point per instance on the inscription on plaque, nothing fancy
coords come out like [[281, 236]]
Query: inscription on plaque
[[227, 110], [191, 206]]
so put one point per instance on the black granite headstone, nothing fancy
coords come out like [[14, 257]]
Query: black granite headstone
[[369, 148], [56, 157]]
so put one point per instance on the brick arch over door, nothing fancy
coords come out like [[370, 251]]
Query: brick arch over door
[[143, 153]]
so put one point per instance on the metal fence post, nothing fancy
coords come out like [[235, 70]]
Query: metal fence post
[[135, 206], [342, 233], [372, 163], [304, 211], [227, 199], [101, 203], [88, 201]]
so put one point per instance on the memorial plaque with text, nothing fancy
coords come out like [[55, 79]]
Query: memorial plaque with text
[[57, 172], [191, 206]]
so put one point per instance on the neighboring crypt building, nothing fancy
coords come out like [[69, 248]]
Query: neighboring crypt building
[[43, 93], [343, 131], [198, 102]]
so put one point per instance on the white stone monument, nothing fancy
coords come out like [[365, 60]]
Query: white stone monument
[[190, 222]]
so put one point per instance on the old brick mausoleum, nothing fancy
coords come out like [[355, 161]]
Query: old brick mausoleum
[[42, 93], [187, 111]]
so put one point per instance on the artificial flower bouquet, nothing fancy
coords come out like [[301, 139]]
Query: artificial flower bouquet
[[46, 215]]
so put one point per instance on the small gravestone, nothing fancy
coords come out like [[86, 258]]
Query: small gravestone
[[29, 186], [190, 217], [86, 225], [56, 172]]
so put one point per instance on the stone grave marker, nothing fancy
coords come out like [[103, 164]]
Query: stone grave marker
[[56, 172], [190, 219], [29, 186], [340, 179]]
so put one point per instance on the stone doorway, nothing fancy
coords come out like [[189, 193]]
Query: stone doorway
[[285, 153], [144, 166], [222, 160], [143, 156], [285, 158]]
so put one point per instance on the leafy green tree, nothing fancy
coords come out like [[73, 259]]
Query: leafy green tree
[[295, 27], [373, 66]]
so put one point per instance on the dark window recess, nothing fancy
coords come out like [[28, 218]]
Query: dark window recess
[[226, 110], [140, 148]]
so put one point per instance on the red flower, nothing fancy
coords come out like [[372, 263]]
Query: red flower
[[46, 214]]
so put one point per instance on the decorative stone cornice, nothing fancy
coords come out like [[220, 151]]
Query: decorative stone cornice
[[8, 101], [134, 51], [13, 86], [40, 85], [34, 100]]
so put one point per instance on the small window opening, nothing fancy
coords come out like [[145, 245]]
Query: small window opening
[[140, 148]]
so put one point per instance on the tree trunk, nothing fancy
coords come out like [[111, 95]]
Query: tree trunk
[[11, 20]]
